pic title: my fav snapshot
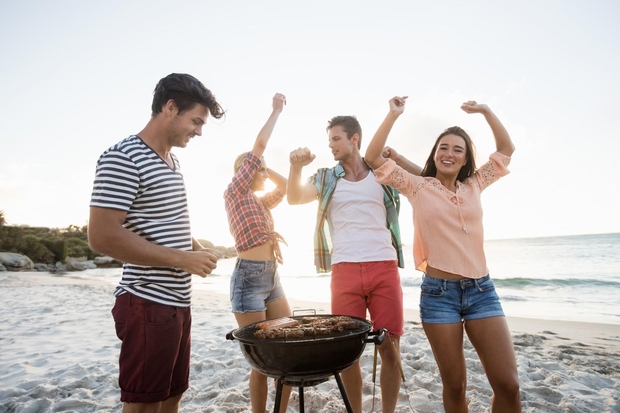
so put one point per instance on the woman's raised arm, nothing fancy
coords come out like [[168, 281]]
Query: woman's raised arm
[[279, 100], [503, 142], [374, 152]]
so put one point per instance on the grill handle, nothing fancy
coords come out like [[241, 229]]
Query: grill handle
[[229, 336], [378, 336], [310, 311]]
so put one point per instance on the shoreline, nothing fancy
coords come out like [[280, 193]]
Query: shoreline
[[60, 353], [599, 334]]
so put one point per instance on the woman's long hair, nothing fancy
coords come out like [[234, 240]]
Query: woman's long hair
[[430, 169]]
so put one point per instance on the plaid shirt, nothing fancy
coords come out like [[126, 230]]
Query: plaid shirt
[[325, 180], [249, 218]]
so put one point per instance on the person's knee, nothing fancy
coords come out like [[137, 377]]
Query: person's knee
[[172, 405], [389, 353], [454, 387], [508, 388], [258, 377], [352, 372]]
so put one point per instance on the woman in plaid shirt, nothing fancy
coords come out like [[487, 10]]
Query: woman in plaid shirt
[[255, 290]]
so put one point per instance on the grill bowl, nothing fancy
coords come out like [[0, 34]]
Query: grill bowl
[[308, 358]]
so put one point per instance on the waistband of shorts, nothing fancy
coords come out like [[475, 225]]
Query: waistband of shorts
[[240, 261], [464, 283], [132, 299]]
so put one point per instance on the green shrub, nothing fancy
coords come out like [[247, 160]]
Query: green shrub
[[34, 249], [10, 238], [77, 247], [58, 247]]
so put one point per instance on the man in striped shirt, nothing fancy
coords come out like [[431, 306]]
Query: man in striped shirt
[[139, 215]]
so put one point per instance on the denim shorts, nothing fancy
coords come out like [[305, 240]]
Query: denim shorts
[[253, 284], [452, 301]]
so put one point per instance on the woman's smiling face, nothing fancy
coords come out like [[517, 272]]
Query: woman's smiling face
[[451, 155]]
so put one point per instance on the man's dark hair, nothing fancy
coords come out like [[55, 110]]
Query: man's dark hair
[[349, 124], [186, 91]]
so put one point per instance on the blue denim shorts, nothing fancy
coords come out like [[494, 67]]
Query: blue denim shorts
[[253, 284], [452, 301]]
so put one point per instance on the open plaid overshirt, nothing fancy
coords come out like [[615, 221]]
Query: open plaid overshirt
[[325, 180]]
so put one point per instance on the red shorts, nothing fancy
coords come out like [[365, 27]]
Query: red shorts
[[155, 349], [357, 286]]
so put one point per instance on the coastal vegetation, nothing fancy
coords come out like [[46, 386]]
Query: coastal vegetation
[[52, 245], [45, 245]]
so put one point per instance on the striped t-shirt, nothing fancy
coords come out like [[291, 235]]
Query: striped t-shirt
[[132, 177]]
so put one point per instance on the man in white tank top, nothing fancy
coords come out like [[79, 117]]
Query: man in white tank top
[[365, 250]]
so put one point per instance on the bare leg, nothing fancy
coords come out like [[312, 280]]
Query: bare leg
[[258, 381], [171, 405], [141, 407], [446, 340], [168, 406], [276, 309], [352, 380], [390, 373], [491, 339]]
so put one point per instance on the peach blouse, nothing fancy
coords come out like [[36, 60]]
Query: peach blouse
[[448, 233]]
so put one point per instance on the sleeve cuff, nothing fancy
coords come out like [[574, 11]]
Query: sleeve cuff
[[383, 172]]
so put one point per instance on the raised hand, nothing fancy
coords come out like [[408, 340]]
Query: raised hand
[[397, 104], [279, 100], [503, 142], [471, 106], [301, 157], [390, 153]]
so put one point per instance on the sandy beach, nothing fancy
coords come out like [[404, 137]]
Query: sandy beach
[[59, 354]]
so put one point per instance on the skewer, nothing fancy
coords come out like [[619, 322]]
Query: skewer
[[374, 376], [400, 362]]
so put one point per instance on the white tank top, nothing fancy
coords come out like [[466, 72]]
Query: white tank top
[[358, 224]]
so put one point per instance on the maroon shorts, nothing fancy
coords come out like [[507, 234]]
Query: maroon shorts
[[155, 349], [357, 286]]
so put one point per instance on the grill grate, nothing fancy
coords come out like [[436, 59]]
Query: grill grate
[[246, 333]]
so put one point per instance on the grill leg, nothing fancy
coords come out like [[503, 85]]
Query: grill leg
[[345, 398], [301, 399], [276, 406]]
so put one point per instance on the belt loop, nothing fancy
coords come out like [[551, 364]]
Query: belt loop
[[129, 299]]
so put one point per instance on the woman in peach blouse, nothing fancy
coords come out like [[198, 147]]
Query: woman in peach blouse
[[457, 293]]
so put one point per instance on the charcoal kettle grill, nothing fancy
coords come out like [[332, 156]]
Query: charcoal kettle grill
[[309, 360]]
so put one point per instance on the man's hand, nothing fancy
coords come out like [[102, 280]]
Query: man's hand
[[390, 153], [201, 262], [301, 157]]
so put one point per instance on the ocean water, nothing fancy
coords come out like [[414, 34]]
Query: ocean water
[[573, 278]]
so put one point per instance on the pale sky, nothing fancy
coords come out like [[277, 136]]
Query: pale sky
[[77, 76]]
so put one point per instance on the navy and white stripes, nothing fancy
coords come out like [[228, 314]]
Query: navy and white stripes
[[132, 177]]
